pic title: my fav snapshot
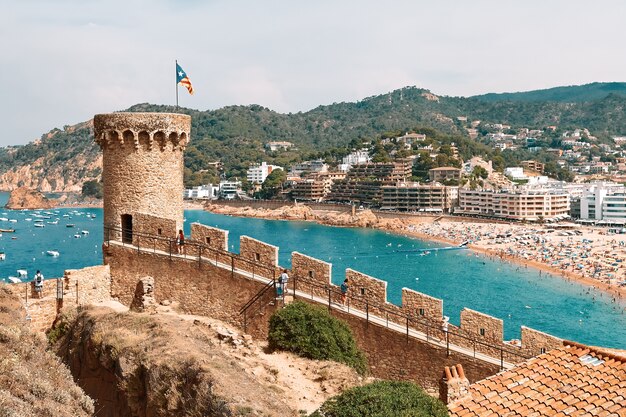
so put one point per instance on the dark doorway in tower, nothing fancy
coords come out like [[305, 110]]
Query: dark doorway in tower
[[127, 228]]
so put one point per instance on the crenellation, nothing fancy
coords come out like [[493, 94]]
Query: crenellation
[[535, 342], [422, 305], [311, 275], [211, 237], [257, 251]]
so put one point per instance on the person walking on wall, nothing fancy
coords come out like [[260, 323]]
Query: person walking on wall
[[344, 291], [38, 283], [283, 280], [180, 242]]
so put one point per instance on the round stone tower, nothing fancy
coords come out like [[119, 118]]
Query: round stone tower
[[142, 166]]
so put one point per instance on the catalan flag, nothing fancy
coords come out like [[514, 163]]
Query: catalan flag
[[182, 79]]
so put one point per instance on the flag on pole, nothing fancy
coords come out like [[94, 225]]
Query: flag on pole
[[181, 78]]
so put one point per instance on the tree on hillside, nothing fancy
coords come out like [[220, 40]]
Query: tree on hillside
[[273, 184], [92, 188], [422, 164]]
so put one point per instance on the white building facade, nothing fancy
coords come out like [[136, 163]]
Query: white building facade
[[256, 174], [208, 191]]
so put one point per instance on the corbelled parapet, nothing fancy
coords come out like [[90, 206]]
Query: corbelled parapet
[[142, 171], [136, 129]]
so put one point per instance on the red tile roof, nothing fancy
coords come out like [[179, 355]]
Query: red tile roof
[[574, 380]]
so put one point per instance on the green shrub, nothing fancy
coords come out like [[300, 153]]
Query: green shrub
[[313, 333], [383, 399]]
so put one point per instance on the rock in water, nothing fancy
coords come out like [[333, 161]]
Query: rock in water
[[25, 198]]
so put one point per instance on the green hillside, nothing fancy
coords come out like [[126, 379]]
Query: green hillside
[[566, 94], [236, 135]]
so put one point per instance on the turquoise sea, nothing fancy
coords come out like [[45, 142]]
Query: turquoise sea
[[461, 278]]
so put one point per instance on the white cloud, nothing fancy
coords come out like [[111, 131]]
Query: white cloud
[[66, 60]]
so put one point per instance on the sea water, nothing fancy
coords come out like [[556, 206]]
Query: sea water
[[462, 278]]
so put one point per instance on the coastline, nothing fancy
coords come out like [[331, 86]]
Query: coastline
[[409, 229]]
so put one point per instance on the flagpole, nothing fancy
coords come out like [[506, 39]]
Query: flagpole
[[176, 72]]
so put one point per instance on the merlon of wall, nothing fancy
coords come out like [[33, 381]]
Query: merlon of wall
[[154, 226], [370, 288], [482, 325], [257, 251], [210, 236], [422, 305], [538, 342]]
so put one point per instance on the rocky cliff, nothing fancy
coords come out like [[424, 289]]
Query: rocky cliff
[[25, 198], [59, 162], [33, 382], [165, 364]]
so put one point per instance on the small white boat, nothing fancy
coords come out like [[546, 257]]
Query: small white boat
[[76, 236], [40, 225], [3, 256], [14, 280], [13, 220], [53, 222], [22, 273], [53, 252], [28, 219], [85, 232], [3, 219]]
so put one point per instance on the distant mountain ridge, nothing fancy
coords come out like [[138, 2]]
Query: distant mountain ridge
[[565, 94], [62, 160]]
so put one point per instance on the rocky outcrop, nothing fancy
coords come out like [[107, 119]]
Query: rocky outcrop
[[33, 382], [164, 364], [25, 198]]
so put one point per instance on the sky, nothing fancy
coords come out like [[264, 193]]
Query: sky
[[62, 61]]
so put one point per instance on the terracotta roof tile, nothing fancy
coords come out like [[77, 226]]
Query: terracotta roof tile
[[556, 383]]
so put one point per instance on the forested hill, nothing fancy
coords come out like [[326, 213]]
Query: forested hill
[[235, 135], [567, 94]]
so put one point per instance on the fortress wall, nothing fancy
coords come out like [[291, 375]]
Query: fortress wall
[[152, 225], [210, 236], [533, 341], [366, 288], [422, 305], [482, 328], [94, 285], [313, 270], [391, 355], [258, 251], [202, 289]]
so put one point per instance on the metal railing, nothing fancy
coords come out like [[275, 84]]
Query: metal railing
[[214, 256], [254, 304], [431, 329], [193, 250]]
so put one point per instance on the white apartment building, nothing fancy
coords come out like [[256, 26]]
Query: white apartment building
[[208, 191], [605, 202], [229, 189], [256, 174], [355, 158], [530, 205]]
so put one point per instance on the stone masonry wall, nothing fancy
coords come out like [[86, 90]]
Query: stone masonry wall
[[482, 325], [365, 290], [210, 236], [80, 287], [534, 341], [313, 270], [418, 303], [258, 251], [199, 288], [163, 232]]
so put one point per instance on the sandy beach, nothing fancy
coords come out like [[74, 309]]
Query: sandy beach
[[587, 255]]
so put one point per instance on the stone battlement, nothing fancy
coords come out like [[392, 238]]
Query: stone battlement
[[420, 312], [142, 129]]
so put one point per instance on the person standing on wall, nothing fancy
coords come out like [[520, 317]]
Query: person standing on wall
[[180, 242], [283, 280], [344, 291], [38, 283]]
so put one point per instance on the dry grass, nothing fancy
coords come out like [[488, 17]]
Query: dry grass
[[32, 380]]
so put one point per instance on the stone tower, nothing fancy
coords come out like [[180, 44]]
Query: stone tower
[[142, 169]]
